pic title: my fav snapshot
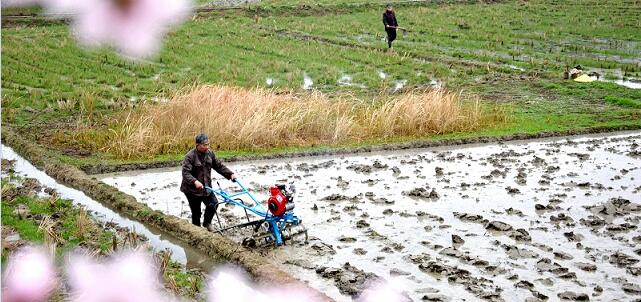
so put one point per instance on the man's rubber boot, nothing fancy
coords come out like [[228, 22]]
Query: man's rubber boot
[[210, 227]]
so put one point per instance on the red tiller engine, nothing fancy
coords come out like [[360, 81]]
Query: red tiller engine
[[280, 201]]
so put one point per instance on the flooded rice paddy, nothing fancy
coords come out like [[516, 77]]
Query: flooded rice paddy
[[526, 220]]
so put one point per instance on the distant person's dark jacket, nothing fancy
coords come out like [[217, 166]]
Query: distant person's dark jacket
[[198, 167], [389, 18]]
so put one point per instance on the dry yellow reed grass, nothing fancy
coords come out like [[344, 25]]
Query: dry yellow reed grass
[[51, 236], [239, 118], [84, 225]]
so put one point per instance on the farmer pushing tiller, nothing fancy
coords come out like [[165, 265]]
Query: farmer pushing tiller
[[272, 226]]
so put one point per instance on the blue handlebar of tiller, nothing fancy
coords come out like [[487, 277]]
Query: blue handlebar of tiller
[[244, 191]]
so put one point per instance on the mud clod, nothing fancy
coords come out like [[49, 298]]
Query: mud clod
[[456, 239], [622, 260], [572, 296], [362, 224], [498, 226], [631, 288], [524, 284], [349, 279], [615, 207], [563, 256], [339, 197], [520, 235], [466, 217], [398, 272], [435, 298], [515, 252], [476, 285], [346, 239], [571, 236], [422, 193], [359, 251], [513, 190], [588, 267], [301, 263]]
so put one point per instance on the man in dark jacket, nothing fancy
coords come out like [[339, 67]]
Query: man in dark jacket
[[196, 174], [389, 19]]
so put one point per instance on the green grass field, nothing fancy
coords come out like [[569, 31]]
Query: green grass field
[[510, 53]]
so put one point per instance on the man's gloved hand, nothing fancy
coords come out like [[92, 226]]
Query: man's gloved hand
[[233, 177]]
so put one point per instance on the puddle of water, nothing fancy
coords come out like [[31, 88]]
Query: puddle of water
[[632, 83], [472, 182], [398, 85], [269, 81], [12, 237], [516, 67], [346, 80], [629, 84], [159, 241], [160, 100], [307, 82], [625, 83], [363, 37]]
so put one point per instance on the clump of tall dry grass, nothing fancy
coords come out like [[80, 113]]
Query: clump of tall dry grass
[[238, 118], [84, 225]]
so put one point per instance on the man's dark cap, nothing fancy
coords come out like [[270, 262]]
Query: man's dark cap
[[201, 138]]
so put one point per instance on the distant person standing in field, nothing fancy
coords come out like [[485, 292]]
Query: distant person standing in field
[[389, 19]]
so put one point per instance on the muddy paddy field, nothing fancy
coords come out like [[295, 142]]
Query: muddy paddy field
[[529, 220], [536, 220]]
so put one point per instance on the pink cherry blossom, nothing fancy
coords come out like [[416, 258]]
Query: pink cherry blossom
[[30, 276], [133, 27], [228, 283], [126, 277], [392, 290]]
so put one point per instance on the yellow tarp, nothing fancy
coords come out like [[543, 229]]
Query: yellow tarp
[[584, 78]]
